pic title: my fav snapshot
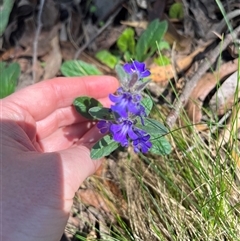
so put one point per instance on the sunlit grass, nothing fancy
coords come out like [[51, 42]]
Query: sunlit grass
[[188, 195]]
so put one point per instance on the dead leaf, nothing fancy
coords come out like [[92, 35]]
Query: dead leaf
[[11, 53], [200, 20], [54, 60], [50, 14], [142, 3], [101, 170], [44, 39], [201, 127], [223, 99], [92, 198], [165, 73], [194, 105], [135, 24], [26, 78], [25, 65], [203, 88], [106, 40], [67, 50]]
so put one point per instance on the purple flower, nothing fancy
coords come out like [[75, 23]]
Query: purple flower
[[103, 126], [128, 111], [125, 103], [141, 113], [126, 130], [138, 67], [123, 131], [142, 143]]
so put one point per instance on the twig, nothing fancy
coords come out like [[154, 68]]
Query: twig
[[99, 31], [35, 42], [182, 100], [218, 28]]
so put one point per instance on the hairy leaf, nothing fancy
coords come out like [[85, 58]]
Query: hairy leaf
[[160, 145], [104, 147], [78, 68], [176, 11], [107, 58], [146, 44], [9, 76], [5, 11], [126, 41], [153, 127], [147, 103], [83, 104], [162, 60], [101, 113]]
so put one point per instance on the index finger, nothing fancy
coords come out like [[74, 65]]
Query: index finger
[[43, 98]]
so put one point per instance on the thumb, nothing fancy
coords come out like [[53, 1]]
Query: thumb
[[77, 163]]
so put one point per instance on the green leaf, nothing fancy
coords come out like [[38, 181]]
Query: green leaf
[[147, 103], [146, 44], [107, 58], [104, 147], [83, 104], [123, 77], [5, 11], [78, 68], [160, 145], [153, 127], [92, 8], [162, 60], [3, 65], [127, 56], [101, 113], [176, 11], [120, 72], [163, 45], [126, 41], [8, 78]]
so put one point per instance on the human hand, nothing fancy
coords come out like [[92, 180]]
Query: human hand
[[46, 155]]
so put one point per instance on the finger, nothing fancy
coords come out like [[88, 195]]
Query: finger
[[58, 119], [43, 98], [90, 138], [77, 164], [65, 137], [62, 117]]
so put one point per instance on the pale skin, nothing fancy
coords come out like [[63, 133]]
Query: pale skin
[[45, 155]]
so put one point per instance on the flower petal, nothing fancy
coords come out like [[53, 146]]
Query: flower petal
[[138, 66], [145, 73], [115, 98], [128, 68], [103, 126]]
